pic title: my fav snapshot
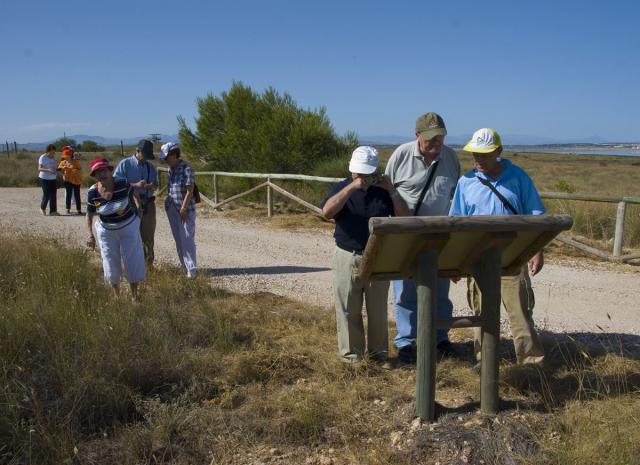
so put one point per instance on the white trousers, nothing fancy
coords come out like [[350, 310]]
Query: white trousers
[[119, 246], [185, 236]]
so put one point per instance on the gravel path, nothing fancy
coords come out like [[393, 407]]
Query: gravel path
[[249, 257]]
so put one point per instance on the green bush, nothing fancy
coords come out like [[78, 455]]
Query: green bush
[[242, 130]]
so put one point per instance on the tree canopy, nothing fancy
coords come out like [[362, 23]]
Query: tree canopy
[[245, 130]]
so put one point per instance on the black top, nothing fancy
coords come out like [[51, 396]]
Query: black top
[[352, 222]]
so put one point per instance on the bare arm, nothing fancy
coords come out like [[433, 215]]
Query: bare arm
[[536, 263], [91, 239], [336, 202], [184, 209]]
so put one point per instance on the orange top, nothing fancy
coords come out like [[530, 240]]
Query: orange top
[[71, 170]]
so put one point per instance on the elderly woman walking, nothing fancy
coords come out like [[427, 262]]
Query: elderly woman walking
[[180, 206], [72, 175], [117, 227]]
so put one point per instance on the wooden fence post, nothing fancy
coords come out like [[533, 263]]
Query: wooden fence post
[[269, 198], [8, 153], [215, 189], [15, 147], [426, 282], [122, 148], [617, 241]]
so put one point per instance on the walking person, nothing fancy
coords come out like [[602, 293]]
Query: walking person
[[47, 170], [424, 172], [143, 177], [180, 206], [72, 176], [366, 194], [498, 187], [117, 228]]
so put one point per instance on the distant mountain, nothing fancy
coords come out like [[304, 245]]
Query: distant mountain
[[461, 139], [80, 138]]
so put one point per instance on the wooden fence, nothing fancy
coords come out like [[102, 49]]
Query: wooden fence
[[622, 202]]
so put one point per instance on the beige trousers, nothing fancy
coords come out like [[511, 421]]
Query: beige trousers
[[349, 292], [518, 300], [148, 230]]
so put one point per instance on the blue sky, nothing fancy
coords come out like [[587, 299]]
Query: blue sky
[[559, 69]]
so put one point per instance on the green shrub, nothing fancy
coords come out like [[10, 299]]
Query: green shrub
[[242, 130]]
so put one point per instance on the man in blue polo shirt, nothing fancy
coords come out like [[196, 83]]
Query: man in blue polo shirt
[[143, 176], [351, 203], [498, 187]]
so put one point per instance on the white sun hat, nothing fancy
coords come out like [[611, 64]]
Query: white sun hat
[[484, 140], [364, 160]]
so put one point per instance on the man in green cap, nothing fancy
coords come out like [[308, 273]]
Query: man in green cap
[[424, 173]]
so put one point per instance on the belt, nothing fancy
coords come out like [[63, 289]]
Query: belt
[[349, 249]]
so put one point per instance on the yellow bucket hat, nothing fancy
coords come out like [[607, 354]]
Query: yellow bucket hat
[[484, 140]]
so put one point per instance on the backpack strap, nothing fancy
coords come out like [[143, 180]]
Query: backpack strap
[[434, 167], [502, 198]]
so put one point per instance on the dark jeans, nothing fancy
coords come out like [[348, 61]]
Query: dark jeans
[[48, 194], [72, 190]]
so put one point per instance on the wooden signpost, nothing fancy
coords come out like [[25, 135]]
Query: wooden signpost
[[485, 247]]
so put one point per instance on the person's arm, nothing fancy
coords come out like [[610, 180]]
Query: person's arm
[[153, 179], [184, 209], [536, 263], [399, 205], [91, 239], [336, 202]]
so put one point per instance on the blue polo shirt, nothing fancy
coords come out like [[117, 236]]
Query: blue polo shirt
[[352, 222], [133, 171], [474, 198]]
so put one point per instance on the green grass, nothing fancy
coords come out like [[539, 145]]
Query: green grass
[[194, 374]]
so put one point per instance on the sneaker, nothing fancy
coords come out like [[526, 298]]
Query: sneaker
[[446, 349], [68, 212], [407, 354], [43, 211], [80, 213], [54, 214], [475, 369]]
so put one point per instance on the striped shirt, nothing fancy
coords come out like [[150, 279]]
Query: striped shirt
[[117, 212], [179, 178]]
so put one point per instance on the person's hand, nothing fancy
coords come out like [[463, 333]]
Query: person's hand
[[91, 242], [455, 279], [536, 263], [184, 214], [386, 184], [359, 183], [140, 184]]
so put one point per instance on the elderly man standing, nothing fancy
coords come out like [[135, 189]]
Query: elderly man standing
[[498, 187], [143, 176], [424, 172], [351, 203]]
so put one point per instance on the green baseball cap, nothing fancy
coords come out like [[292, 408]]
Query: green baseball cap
[[430, 125]]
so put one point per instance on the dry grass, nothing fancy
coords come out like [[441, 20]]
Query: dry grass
[[193, 374]]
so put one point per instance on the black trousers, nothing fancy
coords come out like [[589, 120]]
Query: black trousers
[[48, 194], [73, 190]]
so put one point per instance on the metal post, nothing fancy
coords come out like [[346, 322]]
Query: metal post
[[15, 147], [269, 204], [121, 147], [617, 241], [215, 189], [7, 144], [486, 272], [426, 281]]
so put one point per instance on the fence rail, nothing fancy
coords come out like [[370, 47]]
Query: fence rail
[[622, 202]]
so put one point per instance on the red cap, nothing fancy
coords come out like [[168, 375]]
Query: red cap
[[98, 164]]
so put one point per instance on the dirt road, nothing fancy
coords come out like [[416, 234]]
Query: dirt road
[[250, 257]]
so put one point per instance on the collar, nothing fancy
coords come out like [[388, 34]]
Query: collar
[[418, 154]]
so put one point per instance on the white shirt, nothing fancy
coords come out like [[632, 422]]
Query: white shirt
[[49, 163]]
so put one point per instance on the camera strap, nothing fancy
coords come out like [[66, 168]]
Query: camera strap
[[434, 167], [502, 198]]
